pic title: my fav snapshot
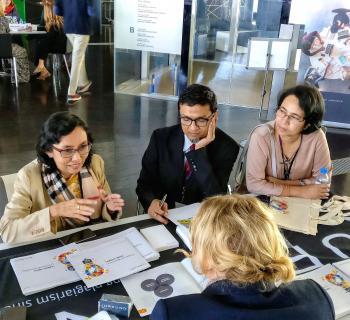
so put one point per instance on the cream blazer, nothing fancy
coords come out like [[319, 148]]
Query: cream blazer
[[27, 216]]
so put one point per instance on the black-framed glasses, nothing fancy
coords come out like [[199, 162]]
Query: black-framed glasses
[[83, 150], [199, 122], [283, 113]]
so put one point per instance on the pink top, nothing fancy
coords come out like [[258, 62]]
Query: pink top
[[311, 157]]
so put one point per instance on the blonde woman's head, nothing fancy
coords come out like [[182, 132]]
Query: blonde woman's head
[[51, 20], [235, 238]]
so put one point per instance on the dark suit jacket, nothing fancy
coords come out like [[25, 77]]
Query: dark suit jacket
[[300, 300], [163, 168]]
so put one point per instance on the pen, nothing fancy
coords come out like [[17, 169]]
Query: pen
[[162, 201]]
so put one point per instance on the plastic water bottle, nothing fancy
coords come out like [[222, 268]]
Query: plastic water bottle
[[323, 177]]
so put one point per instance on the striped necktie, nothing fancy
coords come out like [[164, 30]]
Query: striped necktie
[[188, 170]]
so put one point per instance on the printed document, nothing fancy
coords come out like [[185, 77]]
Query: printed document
[[135, 238], [160, 238], [45, 270], [183, 216], [169, 280], [337, 285], [107, 262], [184, 233]]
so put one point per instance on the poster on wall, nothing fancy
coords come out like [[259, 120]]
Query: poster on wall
[[325, 58], [149, 25]]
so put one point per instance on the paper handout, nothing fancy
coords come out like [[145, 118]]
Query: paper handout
[[107, 262], [337, 285], [168, 280], [160, 238], [45, 270], [135, 238]]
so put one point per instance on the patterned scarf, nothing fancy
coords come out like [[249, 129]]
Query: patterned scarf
[[58, 191]]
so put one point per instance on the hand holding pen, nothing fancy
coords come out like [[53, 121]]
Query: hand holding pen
[[158, 210]]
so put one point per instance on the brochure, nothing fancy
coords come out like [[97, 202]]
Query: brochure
[[169, 280], [184, 233], [336, 283], [135, 238], [160, 238], [183, 215], [107, 262], [343, 266], [49, 269], [45, 270], [64, 315]]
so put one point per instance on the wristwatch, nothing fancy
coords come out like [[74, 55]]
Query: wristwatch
[[302, 182]]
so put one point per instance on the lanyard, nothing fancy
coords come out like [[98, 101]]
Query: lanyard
[[288, 163]]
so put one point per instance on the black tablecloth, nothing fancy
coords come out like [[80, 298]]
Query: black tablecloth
[[77, 298]]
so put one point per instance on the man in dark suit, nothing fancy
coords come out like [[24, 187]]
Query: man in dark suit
[[189, 161]]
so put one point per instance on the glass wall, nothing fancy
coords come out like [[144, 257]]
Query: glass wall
[[142, 73], [152, 33], [221, 36], [218, 52]]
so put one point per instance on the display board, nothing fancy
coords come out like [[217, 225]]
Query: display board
[[260, 48], [280, 54], [149, 25], [257, 52], [325, 57]]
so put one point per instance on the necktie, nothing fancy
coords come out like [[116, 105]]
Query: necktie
[[188, 170]]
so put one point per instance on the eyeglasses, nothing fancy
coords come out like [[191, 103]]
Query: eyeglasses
[[83, 150], [199, 122], [283, 113]]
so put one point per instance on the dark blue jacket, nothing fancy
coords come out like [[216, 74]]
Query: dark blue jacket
[[76, 14], [301, 300]]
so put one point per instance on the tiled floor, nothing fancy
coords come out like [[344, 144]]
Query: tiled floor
[[121, 124]]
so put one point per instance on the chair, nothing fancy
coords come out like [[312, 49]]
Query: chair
[[6, 190], [340, 166], [139, 208], [6, 52], [56, 64], [237, 177], [56, 59]]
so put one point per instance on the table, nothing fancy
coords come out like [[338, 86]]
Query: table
[[76, 298], [27, 32]]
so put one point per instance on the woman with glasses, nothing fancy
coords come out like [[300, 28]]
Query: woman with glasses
[[286, 155], [238, 247], [65, 187]]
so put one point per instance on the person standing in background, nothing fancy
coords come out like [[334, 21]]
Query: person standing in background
[[76, 16], [53, 41]]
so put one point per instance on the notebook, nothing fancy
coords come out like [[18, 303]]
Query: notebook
[[160, 238]]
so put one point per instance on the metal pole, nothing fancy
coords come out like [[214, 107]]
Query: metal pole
[[263, 91]]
